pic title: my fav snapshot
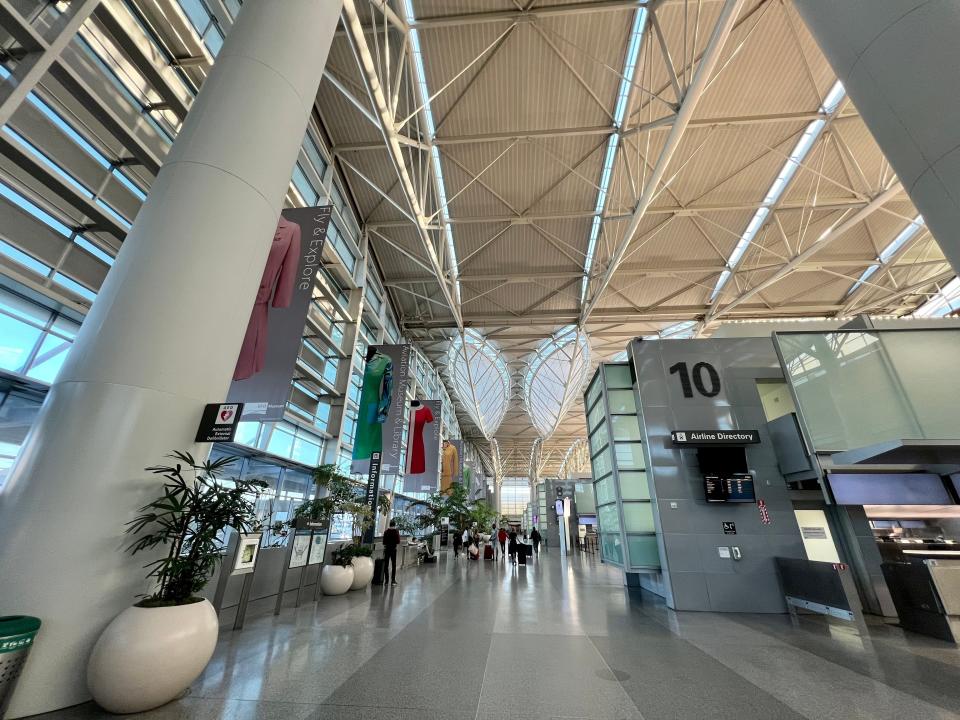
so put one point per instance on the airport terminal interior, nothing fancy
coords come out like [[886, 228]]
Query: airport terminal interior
[[479, 359]]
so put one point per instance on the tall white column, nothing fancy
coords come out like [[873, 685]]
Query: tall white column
[[898, 60], [161, 340]]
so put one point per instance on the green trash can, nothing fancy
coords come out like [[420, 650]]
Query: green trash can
[[16, 638]]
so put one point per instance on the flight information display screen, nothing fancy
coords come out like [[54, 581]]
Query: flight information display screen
[[737, 487]]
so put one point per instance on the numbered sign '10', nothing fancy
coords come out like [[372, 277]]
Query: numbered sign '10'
[[704, 377]]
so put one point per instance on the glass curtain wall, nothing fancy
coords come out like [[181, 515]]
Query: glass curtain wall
[[514, 496]]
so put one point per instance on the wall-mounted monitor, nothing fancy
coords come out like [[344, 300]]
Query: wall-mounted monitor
[[736, 487]]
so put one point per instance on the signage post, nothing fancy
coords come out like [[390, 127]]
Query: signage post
[[373, 490]]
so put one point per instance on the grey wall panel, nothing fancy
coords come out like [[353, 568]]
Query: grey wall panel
[[694, 573]]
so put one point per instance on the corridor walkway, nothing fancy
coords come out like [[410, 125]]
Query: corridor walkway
[[471, 641]]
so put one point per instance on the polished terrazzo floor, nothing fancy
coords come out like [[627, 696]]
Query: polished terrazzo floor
[[558, 639]]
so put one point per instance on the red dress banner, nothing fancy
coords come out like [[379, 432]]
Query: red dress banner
[[423, 448], [418, 463]]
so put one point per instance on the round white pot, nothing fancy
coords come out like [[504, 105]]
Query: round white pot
[[336, 580], [147, 657], [362, 572]]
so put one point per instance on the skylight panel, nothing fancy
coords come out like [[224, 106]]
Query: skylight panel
[[889, 251], [623, 93], [421, 80], [480, 380], [554, 378]]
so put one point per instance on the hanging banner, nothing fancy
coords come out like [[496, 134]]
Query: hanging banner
[[383, 401], [451, 464], [421, 473], [270, 347]]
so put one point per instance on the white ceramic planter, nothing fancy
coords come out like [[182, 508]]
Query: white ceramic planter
[[336, 580], [147, 657], [362, 572]]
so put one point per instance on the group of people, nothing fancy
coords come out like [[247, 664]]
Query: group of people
[[502, 543]]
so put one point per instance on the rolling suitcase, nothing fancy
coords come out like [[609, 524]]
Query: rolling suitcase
[[488, 553], [521, 555]]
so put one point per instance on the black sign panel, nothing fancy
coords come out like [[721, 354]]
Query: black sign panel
[[735, 488], [729, 528], [219, 422], [699, 438], [373, 489]]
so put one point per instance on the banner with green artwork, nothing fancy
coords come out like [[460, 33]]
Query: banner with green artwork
[[382, 412]]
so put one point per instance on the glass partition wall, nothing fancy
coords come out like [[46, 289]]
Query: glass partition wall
[[858, 388], [624, 510]]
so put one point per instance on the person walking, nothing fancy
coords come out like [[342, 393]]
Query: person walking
[[512, 547], [391, 538], [457, 544], [502, 537], [535, 539]]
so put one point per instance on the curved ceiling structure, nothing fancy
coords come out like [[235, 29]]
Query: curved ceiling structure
[[480, 379], [662, 168], [554, 378]]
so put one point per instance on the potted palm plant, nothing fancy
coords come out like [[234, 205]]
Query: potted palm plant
[[151, 652], [341, 497]]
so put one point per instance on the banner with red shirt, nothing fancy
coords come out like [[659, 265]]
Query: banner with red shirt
[[422, 468]]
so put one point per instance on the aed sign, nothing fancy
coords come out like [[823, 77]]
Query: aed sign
[[698, 438], [219, 422]]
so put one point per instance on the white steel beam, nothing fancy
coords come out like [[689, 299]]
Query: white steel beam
[[825, 239], [909, 290], [721, 31], [663, 123], [496, 16], [390, 135], [882, 267], [688, 210]]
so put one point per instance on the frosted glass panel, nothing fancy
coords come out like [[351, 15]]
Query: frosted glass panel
[[860, 388], [601, 464], [618, 376], [599, 438], [926, 365], [605, 491], [621, 401], [609, 518], [643, 550], [630, 456], [594, 391], [625, 427], [595, 416], [638, 517], [633, 486], [612, 548]]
